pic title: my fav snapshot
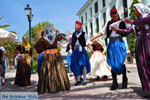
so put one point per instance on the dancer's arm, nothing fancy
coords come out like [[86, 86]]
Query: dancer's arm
[[123, 32], [96, 36]]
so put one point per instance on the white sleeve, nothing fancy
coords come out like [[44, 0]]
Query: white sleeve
[[63, 45], [2, 48], [127, 25], [103, 31], [87, 39]]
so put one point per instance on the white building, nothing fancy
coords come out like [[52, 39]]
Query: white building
[[95, 13]]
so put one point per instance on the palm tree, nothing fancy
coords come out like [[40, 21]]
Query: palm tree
[[9, 46], [5, 25]]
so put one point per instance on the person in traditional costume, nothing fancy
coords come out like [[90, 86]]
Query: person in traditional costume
[[141, 26], [99, 66], [53, 77], [23, 72], [80, 64], [116, 50], [2, 64]]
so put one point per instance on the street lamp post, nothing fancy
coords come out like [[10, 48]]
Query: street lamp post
[[29, 14]]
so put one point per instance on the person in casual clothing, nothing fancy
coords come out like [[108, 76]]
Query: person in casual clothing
[[69, 50], [2, 64], [141, 26], [116, 50], [99, 66], [41, 56], [80, 64], [53, 77], [23, 72]]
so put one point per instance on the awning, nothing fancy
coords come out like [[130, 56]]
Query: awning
[[6, 36]]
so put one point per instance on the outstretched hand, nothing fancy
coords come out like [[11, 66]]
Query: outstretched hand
[[128, 21], [90, 47]]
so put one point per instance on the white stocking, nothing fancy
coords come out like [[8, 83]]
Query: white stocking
[[78, 78], [84, 74]]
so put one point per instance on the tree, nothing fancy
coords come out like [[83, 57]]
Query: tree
[[36, 31], [5, 25], [132, 37], [9, 46], [36, 35]]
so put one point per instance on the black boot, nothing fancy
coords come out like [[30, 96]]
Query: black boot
[[97, 78], [77, 83], [114, 83], [124, 78]]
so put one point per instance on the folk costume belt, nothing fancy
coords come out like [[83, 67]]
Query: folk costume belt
[[115, 38], [76, 47]]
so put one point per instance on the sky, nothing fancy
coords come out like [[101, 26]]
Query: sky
[[61, 13]]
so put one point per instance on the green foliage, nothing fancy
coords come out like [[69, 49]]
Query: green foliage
[[13, 32], [131, 9], [89, 53], [105, 52], [132, 37], [4, 26], [59, 48], [36, 31], [34, 65], [9, 46]]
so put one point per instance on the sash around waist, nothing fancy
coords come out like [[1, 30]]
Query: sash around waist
[[115, 38]]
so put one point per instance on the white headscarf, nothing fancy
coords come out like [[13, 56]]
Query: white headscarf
[[100, 41], [49, 34], [143, 9]]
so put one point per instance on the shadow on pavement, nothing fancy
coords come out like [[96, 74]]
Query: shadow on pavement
[[83, 95], [10, 87], [110, 95], [140, 92]]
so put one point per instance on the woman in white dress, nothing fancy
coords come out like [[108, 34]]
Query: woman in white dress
[[99, 66]]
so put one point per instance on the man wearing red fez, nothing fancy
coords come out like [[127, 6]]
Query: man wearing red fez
[[80, 64], [116, 50]]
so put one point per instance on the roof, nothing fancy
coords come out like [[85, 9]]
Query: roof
[[83, 7]]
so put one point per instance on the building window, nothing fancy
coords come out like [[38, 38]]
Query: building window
[[86, 29], [104, 4], [96, 7], [86, 16], [104, 17], [91, 25], [97, 25], [82, 19], [91, 12]]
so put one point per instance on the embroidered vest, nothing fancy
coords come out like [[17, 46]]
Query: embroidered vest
[[121, 26], [81, 40]]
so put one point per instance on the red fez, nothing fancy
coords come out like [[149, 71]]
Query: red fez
[[113, 10], [79, 23], [42, 33]]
